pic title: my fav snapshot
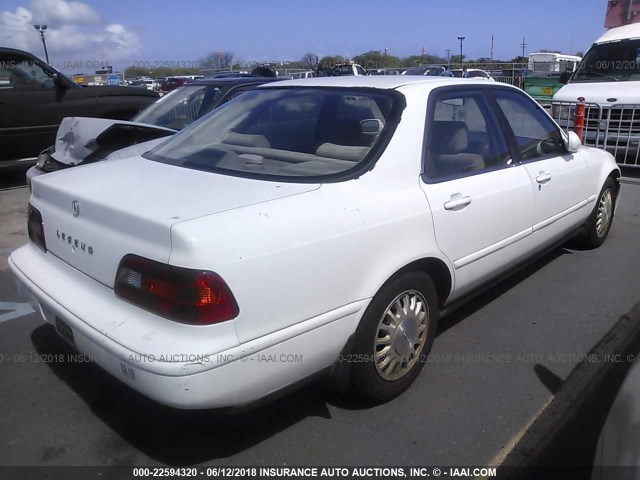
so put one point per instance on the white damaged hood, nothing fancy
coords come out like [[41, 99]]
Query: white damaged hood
[[76, 137]]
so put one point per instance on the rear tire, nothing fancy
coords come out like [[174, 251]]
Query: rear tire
[[599, 223], [394, 338]]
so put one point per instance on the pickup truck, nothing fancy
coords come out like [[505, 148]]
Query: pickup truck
[[34, 98]]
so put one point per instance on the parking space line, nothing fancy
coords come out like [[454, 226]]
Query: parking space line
[[15, 310]]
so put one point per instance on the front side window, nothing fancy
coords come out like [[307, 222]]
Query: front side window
[[537, 137], [287, 133], [18, 73], [463, 136]]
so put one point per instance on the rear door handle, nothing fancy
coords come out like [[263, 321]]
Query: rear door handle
[[457, 202], [543, 177]]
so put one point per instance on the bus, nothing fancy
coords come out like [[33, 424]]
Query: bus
[[553, 62]]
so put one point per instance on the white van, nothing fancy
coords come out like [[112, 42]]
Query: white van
[[609, 79], [553, 62]]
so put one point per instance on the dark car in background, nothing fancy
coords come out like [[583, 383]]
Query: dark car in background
[[34, 98], [196, 98], [88, 140]]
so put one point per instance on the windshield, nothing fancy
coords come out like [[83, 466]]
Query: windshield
[[285, 133], [181, 107], [610, 62]]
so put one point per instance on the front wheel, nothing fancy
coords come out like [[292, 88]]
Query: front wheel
[[394, 337], [599, 223]]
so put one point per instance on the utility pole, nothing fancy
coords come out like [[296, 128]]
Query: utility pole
[[461, 42], [523, 45], [41, 29], [423, 51], [448, 50], [492, 47]]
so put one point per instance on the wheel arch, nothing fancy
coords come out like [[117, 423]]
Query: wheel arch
[[615, 176], [436, 268]]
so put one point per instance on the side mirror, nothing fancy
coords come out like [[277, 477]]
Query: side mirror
[[58, 82], [573, 142], [371, 126]]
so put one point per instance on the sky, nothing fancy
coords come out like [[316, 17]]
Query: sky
[[83, 34]]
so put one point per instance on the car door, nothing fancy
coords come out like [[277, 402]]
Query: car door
[[480, 199], [558, 177], [32, 106]]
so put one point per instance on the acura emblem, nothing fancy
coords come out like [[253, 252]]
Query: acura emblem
[[75, 206]]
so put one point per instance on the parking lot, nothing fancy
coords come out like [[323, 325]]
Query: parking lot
[[487, 378]]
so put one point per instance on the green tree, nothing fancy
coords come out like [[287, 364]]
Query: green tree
[[412, 61], [331, 59], [376, 59], [136, 72]]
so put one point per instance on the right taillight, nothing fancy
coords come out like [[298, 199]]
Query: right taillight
[[36, 228], [196, 297]]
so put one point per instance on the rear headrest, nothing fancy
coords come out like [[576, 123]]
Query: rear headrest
[[342, 152], [246, 140], [449, 137]]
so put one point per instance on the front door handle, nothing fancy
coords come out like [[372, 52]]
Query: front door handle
[[543, 177], [457, 202]]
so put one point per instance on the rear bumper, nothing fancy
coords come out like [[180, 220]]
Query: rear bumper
[[180, 376]]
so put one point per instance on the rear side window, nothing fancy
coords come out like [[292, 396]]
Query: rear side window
[[537, 137], [463, 136], [287, 133]]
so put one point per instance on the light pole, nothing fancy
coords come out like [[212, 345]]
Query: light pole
[[41, 29], [448, 56], [461, 42]]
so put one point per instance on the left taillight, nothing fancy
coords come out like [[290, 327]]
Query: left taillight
[[196, 297], [36, 228]]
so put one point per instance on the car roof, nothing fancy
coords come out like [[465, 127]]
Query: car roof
[[227, 81], [620, 33], [15, 50], [387, 82]]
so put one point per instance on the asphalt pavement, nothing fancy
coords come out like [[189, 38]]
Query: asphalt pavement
[[495, 368]]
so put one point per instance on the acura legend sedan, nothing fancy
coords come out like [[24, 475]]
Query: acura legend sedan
[[308, 227]]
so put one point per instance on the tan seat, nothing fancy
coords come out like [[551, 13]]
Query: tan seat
[[448, 150]]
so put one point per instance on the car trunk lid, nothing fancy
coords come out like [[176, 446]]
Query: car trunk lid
[[93, 215]]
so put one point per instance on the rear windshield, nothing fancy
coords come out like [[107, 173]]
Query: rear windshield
[[288, 134]]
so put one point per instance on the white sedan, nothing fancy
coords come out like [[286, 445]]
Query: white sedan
[[472, 73], [308, 227]]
